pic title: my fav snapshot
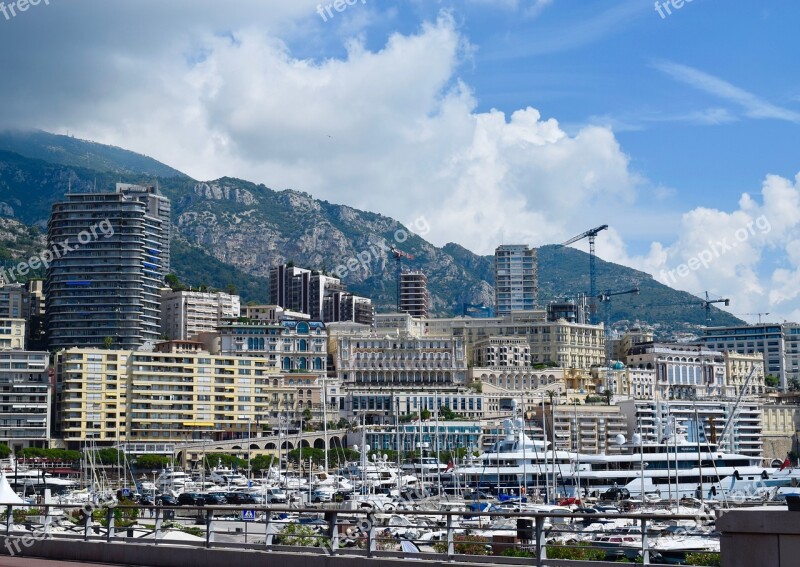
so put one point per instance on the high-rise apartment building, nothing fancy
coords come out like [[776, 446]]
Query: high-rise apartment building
[[176, 393], [185, 314], [14, 301], [341, 306], [24, 399], [103, 285], [516, 286], [414, 298], [320, 287], [289, 287], [779, 344]]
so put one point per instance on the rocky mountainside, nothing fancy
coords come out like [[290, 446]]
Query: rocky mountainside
[[230, 232]]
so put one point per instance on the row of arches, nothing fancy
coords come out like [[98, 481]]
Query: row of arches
[[335, 442]]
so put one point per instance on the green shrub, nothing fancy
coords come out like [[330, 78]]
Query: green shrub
[[465, 545], [300, 536], [579, 551], [707, 559], [516, 552]]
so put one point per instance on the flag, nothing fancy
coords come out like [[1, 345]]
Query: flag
[[450, 465], [787, 463]]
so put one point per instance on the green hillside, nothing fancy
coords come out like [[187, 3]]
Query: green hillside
[[229, 232]]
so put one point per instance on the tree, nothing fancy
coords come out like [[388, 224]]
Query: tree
[[5, 451], [794, 384], [262, 462], [152, 462], [174, 283], [109, 456], [771, 381], [229, 461], [608, 395], [108, 342], [230, 289], [447, 414], [425, 414]]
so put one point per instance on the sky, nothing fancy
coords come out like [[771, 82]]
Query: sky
[[498, 121]]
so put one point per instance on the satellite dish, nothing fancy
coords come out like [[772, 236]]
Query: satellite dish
[[619, 439], [385, 458], [355, 448], [637, 439]]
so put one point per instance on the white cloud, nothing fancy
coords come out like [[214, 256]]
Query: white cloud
[[395, 130], [751, 255], [752, 105], [351, 130]]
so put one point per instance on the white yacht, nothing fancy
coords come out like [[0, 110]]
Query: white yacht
[[171, 480], [226, 476], [517, 462], [675, 467]]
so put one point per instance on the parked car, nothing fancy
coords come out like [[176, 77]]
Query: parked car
[[166, 500], [216, 499], [275, 496], [321, 495], [615, 493], [191, 499], [240, 498]]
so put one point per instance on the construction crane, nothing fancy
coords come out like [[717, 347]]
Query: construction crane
[[699, 302], [398, 258], [605, 298], [590, 234], [759, 315], [707, 306]]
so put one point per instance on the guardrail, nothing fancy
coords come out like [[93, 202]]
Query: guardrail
[[508, 537]]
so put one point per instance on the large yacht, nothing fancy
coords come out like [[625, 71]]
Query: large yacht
[[676, 466], [516, 463]]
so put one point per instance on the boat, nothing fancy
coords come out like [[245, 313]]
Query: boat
[[682, 464], [226, 476], [517, 464]]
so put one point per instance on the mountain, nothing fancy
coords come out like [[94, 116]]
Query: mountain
[[230, 232], [67, 150]]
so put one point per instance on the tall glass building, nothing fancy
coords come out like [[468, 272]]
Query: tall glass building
[[110, 255], [516, 279]]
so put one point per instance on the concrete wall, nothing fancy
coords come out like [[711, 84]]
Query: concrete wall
[[767, 537], [164, 555]]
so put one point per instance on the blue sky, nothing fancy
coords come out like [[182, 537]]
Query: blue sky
[[500, 121]]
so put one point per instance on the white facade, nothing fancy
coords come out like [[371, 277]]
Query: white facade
[[185, 314], [743, 434], [682, 371], [25, 397], [502, 352], [401, 359]]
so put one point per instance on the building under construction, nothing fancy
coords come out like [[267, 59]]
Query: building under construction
[[414, 298]]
